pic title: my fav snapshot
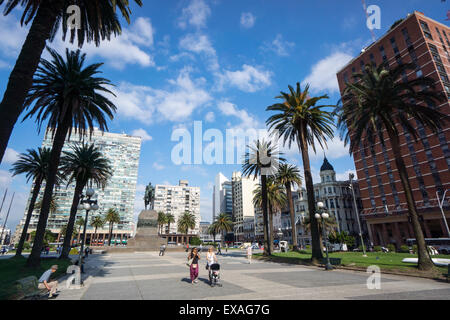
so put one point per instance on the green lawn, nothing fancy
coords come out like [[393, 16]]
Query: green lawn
[[386, 261], [14, 268]]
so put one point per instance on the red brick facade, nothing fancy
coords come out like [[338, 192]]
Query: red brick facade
[[426, 42]]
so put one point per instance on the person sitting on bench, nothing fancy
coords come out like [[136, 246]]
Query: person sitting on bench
[[51, 286]]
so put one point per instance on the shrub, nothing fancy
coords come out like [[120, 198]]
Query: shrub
[[195, 241], [74, 251], [391, 247], [303, 252], [26, 245], [404, 249], [377, 248], [414, 248]]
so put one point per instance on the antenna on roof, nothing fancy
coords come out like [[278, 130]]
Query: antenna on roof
[[367, 17]]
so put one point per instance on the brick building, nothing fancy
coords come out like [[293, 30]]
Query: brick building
[[424, 41]]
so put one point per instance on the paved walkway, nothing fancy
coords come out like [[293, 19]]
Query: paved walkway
[[145, 275]]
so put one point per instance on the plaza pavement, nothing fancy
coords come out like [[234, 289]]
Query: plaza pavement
[[147, 276]]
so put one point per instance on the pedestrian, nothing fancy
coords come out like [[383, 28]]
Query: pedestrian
[[86, 252], [219, 251], [162, 249], [249, 254], [226, 247], [51, 286], [47, 250], [193, 258], [210, 257]]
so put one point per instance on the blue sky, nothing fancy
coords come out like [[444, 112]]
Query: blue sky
[[221, 62]]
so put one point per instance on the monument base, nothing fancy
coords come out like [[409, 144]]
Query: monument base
[[147, 238]]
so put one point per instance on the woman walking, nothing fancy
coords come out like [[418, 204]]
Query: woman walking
[[210, 257], [193, 258]]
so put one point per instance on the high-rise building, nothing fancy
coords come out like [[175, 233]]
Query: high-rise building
[[222, 196], [123, 152], [242, 188], [425, 42], [177, 200]]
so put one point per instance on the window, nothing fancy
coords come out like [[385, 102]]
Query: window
[[362, 66], [345, 77], [406, 37], [394, 46], [426, 30], [383, 53], [419, 73], [372, 58]]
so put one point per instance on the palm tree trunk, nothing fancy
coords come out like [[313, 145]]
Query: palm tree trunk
[[71, 223], [23, 236], [292, 213], [424, 259], [271, 227], [316, 241], [110, 233], [34, 260], [267, 245], [21, 77]]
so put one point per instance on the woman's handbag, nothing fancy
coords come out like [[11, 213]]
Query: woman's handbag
[[189, 263]]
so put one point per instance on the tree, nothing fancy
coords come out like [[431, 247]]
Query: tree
[[186, 222], [79, 224], [276, 200], [329, 223], [63, 232], [112, 216], [169, 219], [299, 120], [162, 220], [53, 205], [97, 222], [262, 160], [375, 107], [99, 21], [35, 166], [212, 229], [289, 175], [83, 164], [68, 96], [222, 224]]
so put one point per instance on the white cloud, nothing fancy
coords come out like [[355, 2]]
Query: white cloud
[[323, 74], [247, 121], [147, 104], [247, 19], [141, 32], [13, 36], [10, 156], [142, 133], [279, 46], [17, 208], [344, 175], [209, 117], [4, 65], [249, 79], [158, 166], [5, 178], [200, 44], [195, 14]]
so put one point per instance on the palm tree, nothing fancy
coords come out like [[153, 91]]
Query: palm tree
[[300, 120], [161, 220], [378, 101], [276, 199], [223, 224], [186, 222], [53, 205], [79, 224], [329, 223], [112, 216], [288, 175], [170, 218], [69, 97], [84, 163], [63, 232], [262, 160], [99, 22], [96, 222], [35, 166], [213, 231]]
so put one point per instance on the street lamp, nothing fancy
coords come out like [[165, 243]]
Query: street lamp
[[441, 204], [321, 217], [351, 176], [87, 204]]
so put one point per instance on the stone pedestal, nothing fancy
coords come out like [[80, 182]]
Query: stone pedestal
[[147, 238]]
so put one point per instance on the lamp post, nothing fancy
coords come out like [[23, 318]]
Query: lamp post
[[441, 204], [87, 204], [351, 176], [321, 217]]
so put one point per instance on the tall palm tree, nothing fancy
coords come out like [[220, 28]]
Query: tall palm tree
[[329, 223], [112, 217], [186, 222], [35, 166], [262, 159], [223, 224], [162, 220], [299, 120], [63, 232], [289, 175], [99, 21], [370, 111], [53, 204], [276, 199], [212, 230], [170, 218], [68, 95], [83, 164], [96, 222]]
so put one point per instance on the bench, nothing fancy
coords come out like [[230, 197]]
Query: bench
[[27, 289]]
